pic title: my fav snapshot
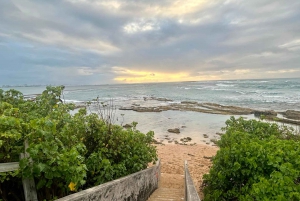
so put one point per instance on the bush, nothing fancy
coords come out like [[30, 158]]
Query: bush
[[256, 161], [67, 152]]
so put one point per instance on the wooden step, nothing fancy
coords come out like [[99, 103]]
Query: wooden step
[[167, 194]]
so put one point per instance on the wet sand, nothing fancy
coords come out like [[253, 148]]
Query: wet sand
[[173, 157]]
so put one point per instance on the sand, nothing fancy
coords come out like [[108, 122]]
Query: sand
[[173, 157]]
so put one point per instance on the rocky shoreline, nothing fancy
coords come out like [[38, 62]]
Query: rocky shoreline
[[180, 134], [289, 116]]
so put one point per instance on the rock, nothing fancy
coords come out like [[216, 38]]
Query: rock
[[135, 104], [191, 155], [174, 130], [205, 135], [292, 114], [186, 139], [156, 142], [183, 126], [163, 99], [219, 134], [211, 108], [258, 113], [126, 108], [207, 157], [283, 120], [189, 102], [170, 141], [214, 141], [147, 109], [127, 126]]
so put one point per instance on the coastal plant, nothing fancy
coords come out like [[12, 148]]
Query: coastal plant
[[256, 161], [68, 151]]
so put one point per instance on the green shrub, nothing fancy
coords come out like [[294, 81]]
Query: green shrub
[[67, 152], [256, 161]]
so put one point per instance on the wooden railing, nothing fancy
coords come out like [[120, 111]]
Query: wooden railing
[[190, 190], [28, 183]]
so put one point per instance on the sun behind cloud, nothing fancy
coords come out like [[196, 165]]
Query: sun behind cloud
[[125, 75]]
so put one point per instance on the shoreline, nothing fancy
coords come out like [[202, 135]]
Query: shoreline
[[198, 156], [288, 116]]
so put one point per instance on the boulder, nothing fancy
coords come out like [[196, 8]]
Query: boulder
[[174, 130]]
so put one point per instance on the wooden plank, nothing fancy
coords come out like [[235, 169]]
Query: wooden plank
[[7, 167]]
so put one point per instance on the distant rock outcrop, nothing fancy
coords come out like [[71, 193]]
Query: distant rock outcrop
[[292, 114]]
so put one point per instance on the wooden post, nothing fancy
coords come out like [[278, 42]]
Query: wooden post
[[28, 183]]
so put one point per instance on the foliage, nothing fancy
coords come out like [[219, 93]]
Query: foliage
[[68, 152], [256, 161]]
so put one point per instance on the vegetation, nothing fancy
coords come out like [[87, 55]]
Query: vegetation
[[67, 152], [256, 161]]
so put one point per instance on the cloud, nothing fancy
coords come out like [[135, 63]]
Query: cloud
[[292, 46], [111, 41], [140, 26], [53, 38]]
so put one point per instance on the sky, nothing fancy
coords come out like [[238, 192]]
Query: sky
[[135, 41]]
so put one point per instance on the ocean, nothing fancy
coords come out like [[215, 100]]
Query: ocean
[[268, 94]]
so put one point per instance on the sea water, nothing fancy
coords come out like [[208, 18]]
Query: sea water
[[268, 94]]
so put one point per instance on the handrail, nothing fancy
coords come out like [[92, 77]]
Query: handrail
[[7, 167], [190, 190], [135, 187]]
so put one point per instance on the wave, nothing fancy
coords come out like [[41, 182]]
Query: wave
[[225, 85], [241, 92], [74, 101]]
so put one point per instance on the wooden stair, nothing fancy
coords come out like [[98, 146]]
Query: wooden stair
[[166, 194], [170, 188]]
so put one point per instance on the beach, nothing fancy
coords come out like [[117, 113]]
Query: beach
[[172, 160]]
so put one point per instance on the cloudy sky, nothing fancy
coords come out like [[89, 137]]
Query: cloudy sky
[[132, 41]]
